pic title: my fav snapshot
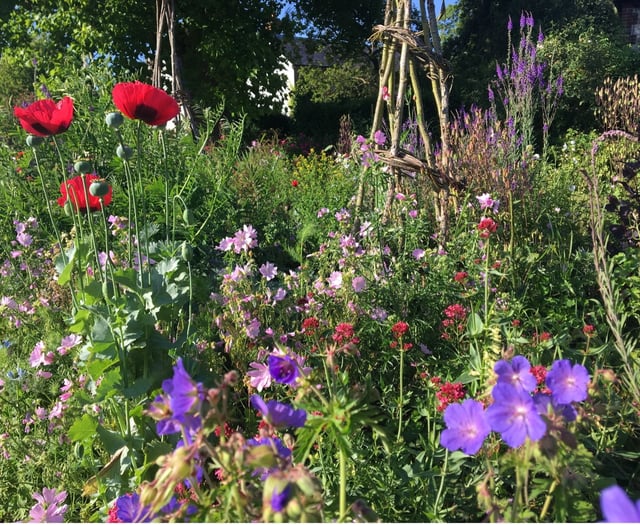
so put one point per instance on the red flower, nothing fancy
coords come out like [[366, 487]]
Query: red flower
[[294, 183], [588, 330], [460, 276], [344, 333], [76, 190], [399, 329], [486, 227], [44, 117], [144, 102]]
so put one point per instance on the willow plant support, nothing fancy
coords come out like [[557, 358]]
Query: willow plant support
[[407, 54]]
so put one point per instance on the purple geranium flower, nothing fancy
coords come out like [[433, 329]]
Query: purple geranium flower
[[517, 373], [544, 401], [567, 383], [513, 414], [283, 369], [130, 510], [617, 507], [467, 427], [279, 414], [184, 393], [279, 499]]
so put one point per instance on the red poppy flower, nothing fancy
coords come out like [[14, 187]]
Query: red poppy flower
[[76, 190], [45, 117], [144, 102]]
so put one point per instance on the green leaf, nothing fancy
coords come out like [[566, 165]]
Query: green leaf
[[111, 440], [83, 428], [475, 326]]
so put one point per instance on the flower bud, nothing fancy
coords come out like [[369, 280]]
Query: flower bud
[[98, 188], [82, 166], [187, 217], [114, 120], [124, 152], [34, 140], [186, 251], [68, 208]]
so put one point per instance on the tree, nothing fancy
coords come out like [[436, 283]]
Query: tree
[[345, 25], [583, 41], [229, 50]]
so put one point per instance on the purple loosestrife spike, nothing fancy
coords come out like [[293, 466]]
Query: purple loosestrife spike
[[617, 507], [509, 24], [523, 21], [513, 414]]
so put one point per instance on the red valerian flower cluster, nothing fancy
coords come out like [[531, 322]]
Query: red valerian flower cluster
[[45, 117], [144, 102], [76, 191], [486, 227]]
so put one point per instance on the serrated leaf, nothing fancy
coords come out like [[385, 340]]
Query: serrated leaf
[[83, 428]]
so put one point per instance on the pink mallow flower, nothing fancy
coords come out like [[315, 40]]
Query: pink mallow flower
[[49, 508], [39, 355], [68, 342]]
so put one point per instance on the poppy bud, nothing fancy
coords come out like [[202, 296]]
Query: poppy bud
[[187, 217], [114, 119], [82, 167], [68, 208], [186, 252], [98, 188], [33, 140], [124, 152]]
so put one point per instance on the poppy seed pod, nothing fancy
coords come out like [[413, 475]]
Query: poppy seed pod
[[82, 167], [114, 119], [124, 152], [99, 188], [34, 140]]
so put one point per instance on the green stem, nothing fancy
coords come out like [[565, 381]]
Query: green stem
[[401, 397], [343, 484], [547, 500]]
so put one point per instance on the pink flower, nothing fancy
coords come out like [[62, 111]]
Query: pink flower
[[68, 342], [39, 356], [268, 271], [335, 280], [386, 96], [359, 284], [259, 376], [48, 508]]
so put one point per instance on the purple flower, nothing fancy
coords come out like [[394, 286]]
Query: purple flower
[[513, 414], [517, 373], [178, 408], [358, 284], [48, 508], [283, 369], [130, 510], [617, 507], [567, 383], [279, 414], [467, 427], [259, 376], [245, 239], [379, 138], [273, 442], [279, 499], [185, 394], [544, 401], [268, 271]]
